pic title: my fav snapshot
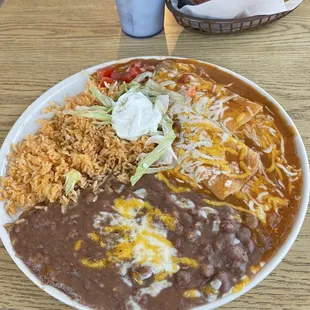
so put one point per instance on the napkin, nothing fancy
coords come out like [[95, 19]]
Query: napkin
[[227, 9]]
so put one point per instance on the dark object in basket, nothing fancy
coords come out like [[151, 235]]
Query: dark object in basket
[[181, 3]]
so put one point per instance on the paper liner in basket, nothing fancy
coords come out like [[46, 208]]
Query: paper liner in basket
[[227, 9]]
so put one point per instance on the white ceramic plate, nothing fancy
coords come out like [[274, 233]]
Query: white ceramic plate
[[71, 86]]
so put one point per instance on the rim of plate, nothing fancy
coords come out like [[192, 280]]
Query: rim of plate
[[17, 132]]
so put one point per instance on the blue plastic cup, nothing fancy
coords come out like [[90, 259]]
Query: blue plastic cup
[[141, 18]]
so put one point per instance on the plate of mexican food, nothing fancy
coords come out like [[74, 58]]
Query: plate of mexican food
[[152, 183]]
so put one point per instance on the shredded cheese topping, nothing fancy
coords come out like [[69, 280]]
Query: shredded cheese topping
[[209, 160], [207, 99]]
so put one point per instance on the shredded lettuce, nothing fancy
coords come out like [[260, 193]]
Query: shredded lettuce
[[134, 86], [149, 92], [162, 103], [143, 76], [160, 90], [168, 157], [95, 112], [125, 87], [72, 177], [144, 166], [104, 99]]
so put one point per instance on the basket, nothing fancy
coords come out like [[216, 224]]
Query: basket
[[223, 26]]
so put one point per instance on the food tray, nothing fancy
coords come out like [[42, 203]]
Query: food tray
[[223, 26]]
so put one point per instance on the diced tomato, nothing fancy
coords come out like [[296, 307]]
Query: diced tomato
[[107, 80], [126, 76], [192, 92], [128, 72], [105, 72], [134, 71], [185, 78], [122, 76]]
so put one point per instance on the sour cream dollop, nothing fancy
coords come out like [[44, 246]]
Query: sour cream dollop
[[134, 115]]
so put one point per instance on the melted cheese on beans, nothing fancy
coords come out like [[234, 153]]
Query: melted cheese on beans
[[141, 240]]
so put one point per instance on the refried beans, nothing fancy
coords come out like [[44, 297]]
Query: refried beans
[[212, 246]]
